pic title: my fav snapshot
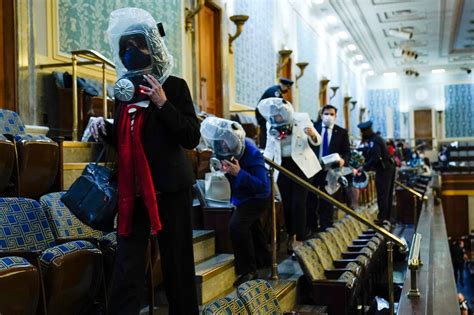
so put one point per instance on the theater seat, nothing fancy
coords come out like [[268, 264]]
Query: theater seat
[[225, 305], [71, 272], [37, 157], [20, 283], [66, 225], [338, 292], [259, 298], [7, 161]]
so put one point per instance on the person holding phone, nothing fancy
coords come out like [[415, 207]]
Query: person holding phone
[[288, 137], [244, 166]]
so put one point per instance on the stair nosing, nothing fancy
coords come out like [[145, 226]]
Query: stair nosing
[[208, 235], [211, 273]]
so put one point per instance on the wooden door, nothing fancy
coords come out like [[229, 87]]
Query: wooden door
[[424, 127], [286, 73], [7, 56], [210, 80]]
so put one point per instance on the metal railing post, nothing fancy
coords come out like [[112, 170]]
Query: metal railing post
[[414, 263], [274, 271], [74, 98], [104, 92], [390, 277]]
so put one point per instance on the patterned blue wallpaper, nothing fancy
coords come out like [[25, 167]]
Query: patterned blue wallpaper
[[308, 84], [83, 23], [254, 55], [459, 110], [377, 101]]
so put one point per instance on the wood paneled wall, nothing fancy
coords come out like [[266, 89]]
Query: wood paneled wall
[[7, 55]]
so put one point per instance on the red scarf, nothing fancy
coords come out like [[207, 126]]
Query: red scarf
[[134, 173]]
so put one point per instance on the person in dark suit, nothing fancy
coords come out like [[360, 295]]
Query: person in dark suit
[[150, 133], [335, 140], [377, 158], [273, 91]]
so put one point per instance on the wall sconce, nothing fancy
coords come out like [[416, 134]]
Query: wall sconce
[[353, 105], [239, 21], [334, 91], [302, 66], [284, 58], [190, 14]]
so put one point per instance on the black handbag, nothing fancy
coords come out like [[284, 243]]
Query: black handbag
[[92, 198]]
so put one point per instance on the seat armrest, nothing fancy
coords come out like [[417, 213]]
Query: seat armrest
[[351, 255], [62, 240], [30, 255], [342, 263], [355, 248], [334, 274], [367, 236], [361, 242]]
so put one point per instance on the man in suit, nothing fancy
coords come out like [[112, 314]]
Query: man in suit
[[335, 140], [273, 91], [150, 132]]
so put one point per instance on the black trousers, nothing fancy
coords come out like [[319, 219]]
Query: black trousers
[[384, 182], [176, 251], [325, 210], [294, 200], [459, 271], [248, 239]]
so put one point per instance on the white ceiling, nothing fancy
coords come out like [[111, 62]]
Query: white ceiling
[[443, 31]]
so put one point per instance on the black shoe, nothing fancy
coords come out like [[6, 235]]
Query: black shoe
[[245, 277]]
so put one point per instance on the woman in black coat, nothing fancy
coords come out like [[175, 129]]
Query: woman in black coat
[[152, 127]]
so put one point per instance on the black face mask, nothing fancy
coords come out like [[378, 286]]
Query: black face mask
[[134, 59]]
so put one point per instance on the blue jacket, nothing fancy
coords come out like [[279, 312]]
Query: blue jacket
[[252, 182]]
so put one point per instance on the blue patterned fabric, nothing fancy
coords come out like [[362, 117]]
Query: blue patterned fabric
[[55, 252], [254, 53], [78, 28], [258, 297], [10, 123], [308, 48], [224, 306], [63, 222], [459, 110], [3, 138], [377, 103], [13, 261], [23, 225]]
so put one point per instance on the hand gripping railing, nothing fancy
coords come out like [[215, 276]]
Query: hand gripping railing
[[414, 263], [416, 195], [389, 237], [93, 58]]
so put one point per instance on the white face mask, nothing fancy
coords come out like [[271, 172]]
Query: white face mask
[[328, 120]]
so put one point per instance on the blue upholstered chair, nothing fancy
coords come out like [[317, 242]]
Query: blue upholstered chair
[[20, 286], [66, 225], [37, 158], [259, 298], [71, 271], [224, 306]]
